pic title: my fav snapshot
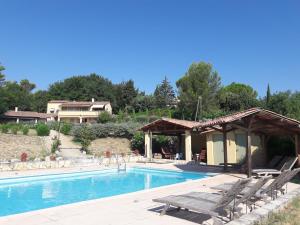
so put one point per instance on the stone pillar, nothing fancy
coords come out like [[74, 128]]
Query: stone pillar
[[18, 120], [35, 121], [58, 119], [188, 146], [80, 119], [148, 145]]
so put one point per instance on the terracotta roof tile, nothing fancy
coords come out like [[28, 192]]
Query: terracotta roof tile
[[27, 114]]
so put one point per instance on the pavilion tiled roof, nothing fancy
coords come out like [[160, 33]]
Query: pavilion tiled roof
[[263, 113], [183, 123]]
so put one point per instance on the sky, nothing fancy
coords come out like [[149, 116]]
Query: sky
[[253, 42]]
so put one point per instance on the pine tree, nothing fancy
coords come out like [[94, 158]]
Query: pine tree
[[164, 94], [268, 96], [2, 76]]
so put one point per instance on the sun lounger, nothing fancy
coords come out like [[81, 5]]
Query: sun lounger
[[286, 164], [275, 161], [214, 205], [278, 184]]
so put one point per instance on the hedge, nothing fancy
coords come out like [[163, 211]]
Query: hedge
[[123, 130]]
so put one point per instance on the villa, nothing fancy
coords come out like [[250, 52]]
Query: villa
[[77, 111]]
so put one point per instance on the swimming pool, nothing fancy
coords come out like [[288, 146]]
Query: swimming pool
[[25, 194]]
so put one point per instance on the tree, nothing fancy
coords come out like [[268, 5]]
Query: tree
[[2, 76], [125, 93], [27, 86], [237, 97], [142, 102], [83, 88], [16, 96], [164, 94], [268, 96], [39, 101], [200, 80], [286, 103]]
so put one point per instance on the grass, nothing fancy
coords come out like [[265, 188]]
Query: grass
[[290, 215]]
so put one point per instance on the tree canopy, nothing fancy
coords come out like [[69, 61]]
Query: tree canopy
[[200, 84], [201, 80], [164, 94], [237, 97]]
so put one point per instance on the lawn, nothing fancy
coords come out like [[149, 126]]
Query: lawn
[[290, 215]]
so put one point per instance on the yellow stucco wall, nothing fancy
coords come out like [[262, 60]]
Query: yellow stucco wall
[[258, 155]]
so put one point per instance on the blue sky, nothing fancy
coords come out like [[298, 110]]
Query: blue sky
[[253, 42]]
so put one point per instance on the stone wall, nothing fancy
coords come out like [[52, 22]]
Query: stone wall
[[12, 146]]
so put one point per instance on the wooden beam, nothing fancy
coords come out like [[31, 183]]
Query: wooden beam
[[224, 131], [297, 148], [248, 154]]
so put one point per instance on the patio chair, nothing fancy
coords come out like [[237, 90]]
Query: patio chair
[[286, 164], [167, 154], [217, 206]]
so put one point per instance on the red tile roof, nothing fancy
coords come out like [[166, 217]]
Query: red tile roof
[[183, 123], [262, 113], [27, 114]]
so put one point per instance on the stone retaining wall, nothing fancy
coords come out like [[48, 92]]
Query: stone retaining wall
[[261, 214], [64, 163]]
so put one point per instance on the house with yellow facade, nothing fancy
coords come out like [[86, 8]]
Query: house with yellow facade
[[77, 111]]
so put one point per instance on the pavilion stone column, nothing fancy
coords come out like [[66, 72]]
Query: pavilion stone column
[[188, 145], [18, 120], [148, 145], [80, 119]]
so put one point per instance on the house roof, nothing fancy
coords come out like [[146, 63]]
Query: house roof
[[27, 114], [83, 103]]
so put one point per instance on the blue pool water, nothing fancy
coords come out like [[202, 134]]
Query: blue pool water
[[24, 194]]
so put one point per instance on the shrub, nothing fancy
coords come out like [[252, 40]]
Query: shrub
[[42, 130], [25, 130], [123, 130], [85, 136], [142, 119], [137, 142], [54, 147], [105, 117], [66, 128], [53, 125], [14, 129], [5, 128]]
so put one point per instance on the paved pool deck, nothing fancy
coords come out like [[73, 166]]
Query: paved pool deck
[[129, 209]]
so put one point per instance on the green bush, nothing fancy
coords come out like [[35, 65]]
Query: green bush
[[142, 119], [53, 125], [138, 142], [42, 130], [5, 128], [25, 130], [54, 147], [14, 129], [123, 130], [66, 128], [105, 117], [85, 136]]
